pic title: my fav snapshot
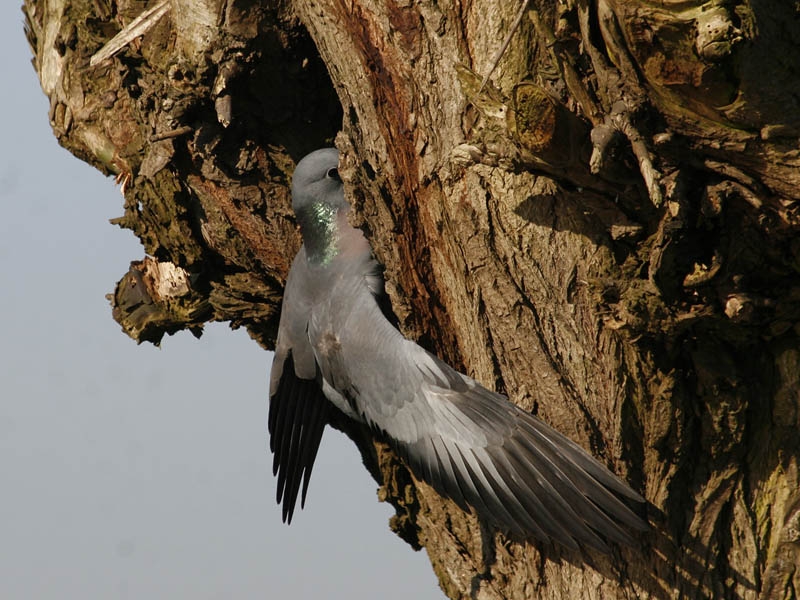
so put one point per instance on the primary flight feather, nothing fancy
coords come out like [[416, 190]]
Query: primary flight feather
[[336, 350]]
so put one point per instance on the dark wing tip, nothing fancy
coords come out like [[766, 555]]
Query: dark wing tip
[[297, 417], [588, 502]]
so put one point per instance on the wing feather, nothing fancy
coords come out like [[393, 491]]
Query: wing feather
[[479, 449], [297, 417], [449, 481]]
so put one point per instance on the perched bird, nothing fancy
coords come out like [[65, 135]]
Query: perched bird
[[335, 348]]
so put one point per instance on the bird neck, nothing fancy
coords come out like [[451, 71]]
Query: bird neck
[[320, 227]]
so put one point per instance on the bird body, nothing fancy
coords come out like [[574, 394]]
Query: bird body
[[336, 347]]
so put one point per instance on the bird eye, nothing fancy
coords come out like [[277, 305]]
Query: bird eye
[[334, 174]]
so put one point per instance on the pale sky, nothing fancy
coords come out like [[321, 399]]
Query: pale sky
[[134, 472]]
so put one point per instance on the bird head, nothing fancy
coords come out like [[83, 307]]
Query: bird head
[[316, 184]]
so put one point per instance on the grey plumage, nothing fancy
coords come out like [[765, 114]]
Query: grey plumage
[[336, 348]]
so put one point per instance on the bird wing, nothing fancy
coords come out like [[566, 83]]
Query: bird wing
[[473, 445], [298, 409], [316, 300]]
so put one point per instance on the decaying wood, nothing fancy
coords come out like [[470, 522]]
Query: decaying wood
[[607, 230]]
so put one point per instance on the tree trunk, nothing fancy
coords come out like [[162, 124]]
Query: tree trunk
[[606, 230]]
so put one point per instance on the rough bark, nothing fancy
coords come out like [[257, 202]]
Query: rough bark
[[607, 231]]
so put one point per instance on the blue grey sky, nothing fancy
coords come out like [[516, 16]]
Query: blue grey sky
[[135, 472]]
